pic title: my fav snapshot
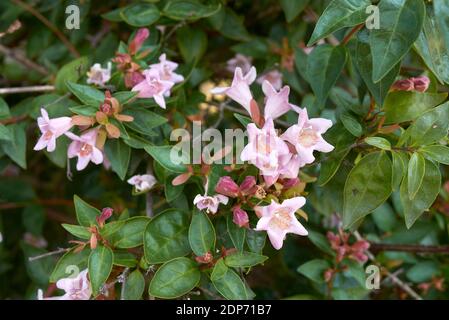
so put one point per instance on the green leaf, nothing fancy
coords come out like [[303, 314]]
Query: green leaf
[[66, 265], [130, 235], [4, 109], [368, 186], [320, 241], [140, 14], [324, 66], [360, 51], [144, 120], [339, 14], [436, 153], [201, 234], [385, 218], [430, 127], [400, 167], [242, 119], [415, 174], [174, 279], [423, 271], [119, 154], [37, 270], [401, 23], [110, 228], [125, 96], [244, 259], [433, 42], [379, 142], [167, 236], [192, 43], [351, 124], [124, 259], [134, 286], [255, 240], [86, 94], [189, 10], [85, 110], [314, 269], [162, 154], [72, 71], [172, 192], [78, 231], [85, 213], [100, 266], [113, 15], [5, 134], [401, 106], [293, 8], [228, 283], [16, 147], [236, 233], [229, 24], [425, 196]]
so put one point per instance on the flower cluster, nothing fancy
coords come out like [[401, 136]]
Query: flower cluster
[[278, 156], [340, 244], [76, 288]]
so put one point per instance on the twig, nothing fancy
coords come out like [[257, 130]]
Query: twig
[[149, 195], [351, 33], [48, 254], [122, 279], [27, 89], [50, 25], [22, 59], [392, 276], [14, 119], [376, 247]]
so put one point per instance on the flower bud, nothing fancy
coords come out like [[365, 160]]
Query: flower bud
[[227, 187], [403, 85], [248, 186], [421, 84], [240, 217], [141, 35]]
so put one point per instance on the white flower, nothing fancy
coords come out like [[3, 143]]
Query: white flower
[[142, 182], [99, 76]]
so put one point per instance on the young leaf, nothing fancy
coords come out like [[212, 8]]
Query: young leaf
[[166, 236], [402, 21], [85, 213], [201, 234], [367, 187], [174, 279], [415, 174], [100, 266]]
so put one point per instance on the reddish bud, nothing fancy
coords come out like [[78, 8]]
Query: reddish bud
[[141, 35], [248, 186], [227, 187], [421, 83], [106, 213], [403, 85], [207, 258], [132, 78], [240, 217], [289, 183]]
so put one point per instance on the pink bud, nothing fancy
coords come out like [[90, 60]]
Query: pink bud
[[240, 217], [360, 245], [141, 35], [421, 83], [248, 186], [403, 85], [289, 183], [227, 187], [106, 213], [133, 78]]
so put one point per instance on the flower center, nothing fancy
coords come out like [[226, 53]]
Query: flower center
[[86, 150], [48, 135], [263, 144], [308, 137], [281, 219]]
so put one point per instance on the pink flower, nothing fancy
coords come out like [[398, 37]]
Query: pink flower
[[306, 136], [142, 182], [99, 76], [239, 61], [210, 203], [166, 68], [239, 90], [51, 129], [240, 217], [279, 219], [264, 149], [276, 103], [274, 77], [141, 35], [85, 149], [153, 87], [77, 288]]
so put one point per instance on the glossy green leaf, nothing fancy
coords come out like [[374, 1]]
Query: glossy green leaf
[[351, 124], [228, 283], [162, 154], [378, 142], [229, 24], [367, 187], [124, 259], [86, 94], [436, 153], [69, 263], [423, 271], [293, 8], [189, 10], [400, 25], [5, 134], [175, 278], [100, 266], [192, 43], [78, 231], [144, 120], [201, 234], [4, 109], [400, 168], [167, 236], [85, 213], [119, 154], [255, 240], [72, 71], [140, 14], [134, 286], [130, 235], [314, 270], [415, 174], [236, 233], [244, 259], [15, 148]]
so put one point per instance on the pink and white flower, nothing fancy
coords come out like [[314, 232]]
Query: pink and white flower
[[276, 103], [274, 77], [166, 70], [239, 90], [153, 87], [306, 136], [51, 129], [142, 182], [210, 203], [98, 75], [84, 147], [77, 288], [279, 219], [239, 61]]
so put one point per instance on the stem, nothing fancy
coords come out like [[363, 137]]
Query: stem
[[376, 247], [48, 254], [351, 33], [149, 195], [27, 89], [50, 25], [21, 59]]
